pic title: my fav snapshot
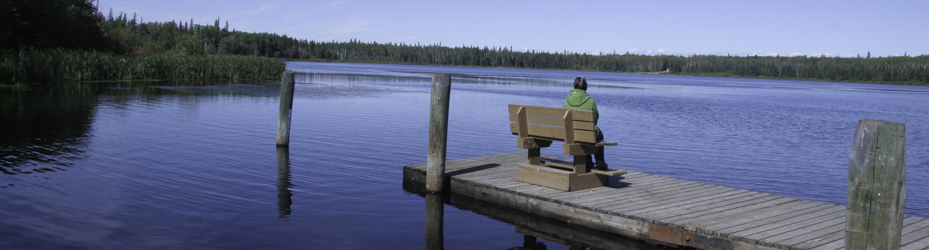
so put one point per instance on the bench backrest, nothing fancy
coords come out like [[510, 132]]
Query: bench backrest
[[560, 124]]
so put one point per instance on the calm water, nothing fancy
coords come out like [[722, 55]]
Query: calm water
[[171, 166]]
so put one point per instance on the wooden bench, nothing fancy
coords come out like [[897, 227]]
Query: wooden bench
[[537, 127]]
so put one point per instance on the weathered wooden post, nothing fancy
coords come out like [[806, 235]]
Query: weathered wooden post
[[287, 105], [435, 213], [438, 132], [876, 186]]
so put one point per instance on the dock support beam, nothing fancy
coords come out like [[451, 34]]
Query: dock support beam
[[287, 105], [438, 132], [876, 186]]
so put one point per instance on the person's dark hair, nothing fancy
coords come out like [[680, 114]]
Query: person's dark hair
[[580, 83]]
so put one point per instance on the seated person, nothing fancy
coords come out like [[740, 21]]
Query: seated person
[[578, 99]]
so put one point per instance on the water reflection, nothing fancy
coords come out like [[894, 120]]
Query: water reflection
[[283, 182], [551, 230], [532, 227], [44, 130], [530, 243], [435, 213]]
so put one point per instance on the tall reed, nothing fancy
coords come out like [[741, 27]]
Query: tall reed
[[30, 65]]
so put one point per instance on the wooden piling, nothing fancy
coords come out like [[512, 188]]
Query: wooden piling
[[286, 111], [876, 186], [435, 213], [438, 132]]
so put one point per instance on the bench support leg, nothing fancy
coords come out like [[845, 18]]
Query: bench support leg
[[588, 180], [535, 156], [580, 164]]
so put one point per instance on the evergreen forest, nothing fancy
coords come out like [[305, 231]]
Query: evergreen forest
[[87, 28]]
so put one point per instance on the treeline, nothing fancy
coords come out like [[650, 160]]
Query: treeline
[[32, 65], [896, 70], [52, 41], [121, 34], [70, 24], [190, 38]]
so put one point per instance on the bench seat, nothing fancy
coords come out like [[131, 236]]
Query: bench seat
[[537, 127]]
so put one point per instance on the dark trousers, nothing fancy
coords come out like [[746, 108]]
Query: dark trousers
[[599, 154]]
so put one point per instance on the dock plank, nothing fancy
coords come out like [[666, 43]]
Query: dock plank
[[633, 197], [564, 198], [637, 192], [757, 220], [498, 181], [617, 193], [738, 205], [488, 176], [628, 194], [733, 212], [773, 234], [835, 245], [657, 197], [664, 209], [918, 244], [779, 221], [912, 223], [683, 212], [652, 201], [685, 204], [831, 239], [709, 225], [917, 239], [798, 237]]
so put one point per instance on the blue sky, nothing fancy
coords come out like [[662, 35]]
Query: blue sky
[[785, 28]]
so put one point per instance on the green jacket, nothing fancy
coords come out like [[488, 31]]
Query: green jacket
[[578, 99]]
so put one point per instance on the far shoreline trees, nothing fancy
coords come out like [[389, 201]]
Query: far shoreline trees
[[78, 25], [194, 39]]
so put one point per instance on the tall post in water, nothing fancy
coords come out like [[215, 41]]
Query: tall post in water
[[438, 132], [287, 105], [876, 186]]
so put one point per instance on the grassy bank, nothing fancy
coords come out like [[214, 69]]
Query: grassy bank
[[29, 65]]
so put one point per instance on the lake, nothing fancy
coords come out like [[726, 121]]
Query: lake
[[187, 166]]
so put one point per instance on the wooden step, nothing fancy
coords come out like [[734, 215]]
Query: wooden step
[[559, 165], [559, 178], [568, 166], [609, 171]]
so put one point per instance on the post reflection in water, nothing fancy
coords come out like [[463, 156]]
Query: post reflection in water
[[531, 243], [283, 182], [538, 230], [435, 211]]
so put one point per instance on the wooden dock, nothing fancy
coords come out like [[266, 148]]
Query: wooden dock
[[662, 209]]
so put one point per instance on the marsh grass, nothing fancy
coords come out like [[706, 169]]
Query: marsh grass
[[30, 65]]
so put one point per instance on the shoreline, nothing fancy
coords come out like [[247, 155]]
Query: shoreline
[[720, 74]]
